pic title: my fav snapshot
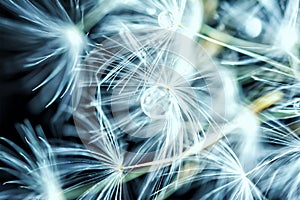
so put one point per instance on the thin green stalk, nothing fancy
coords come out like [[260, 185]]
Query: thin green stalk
[[223, 39], [96, 14]]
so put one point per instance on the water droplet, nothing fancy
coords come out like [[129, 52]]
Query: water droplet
[[253, 27], [155, 102], [166, 20]]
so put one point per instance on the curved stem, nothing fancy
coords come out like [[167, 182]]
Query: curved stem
[[206, 36], [96, 14], [214, 33]]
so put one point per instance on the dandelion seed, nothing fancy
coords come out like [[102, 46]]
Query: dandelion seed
[[36, 173], [92, 174], [281, 176], [232, 182], [104, 158], [97, 173], [47, 37], [261, 20], [164, 102]]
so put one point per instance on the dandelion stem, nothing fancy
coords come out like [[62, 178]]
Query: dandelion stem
[[225, 37], [96, 14], [214, 33], [266, 101], [188, 171], [73, 194]]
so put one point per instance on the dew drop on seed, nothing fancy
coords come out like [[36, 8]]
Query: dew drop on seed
[[155, 102], [253, 27], [166, 19]]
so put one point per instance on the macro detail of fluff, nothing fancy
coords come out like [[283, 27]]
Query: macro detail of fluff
[[150, 99]]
